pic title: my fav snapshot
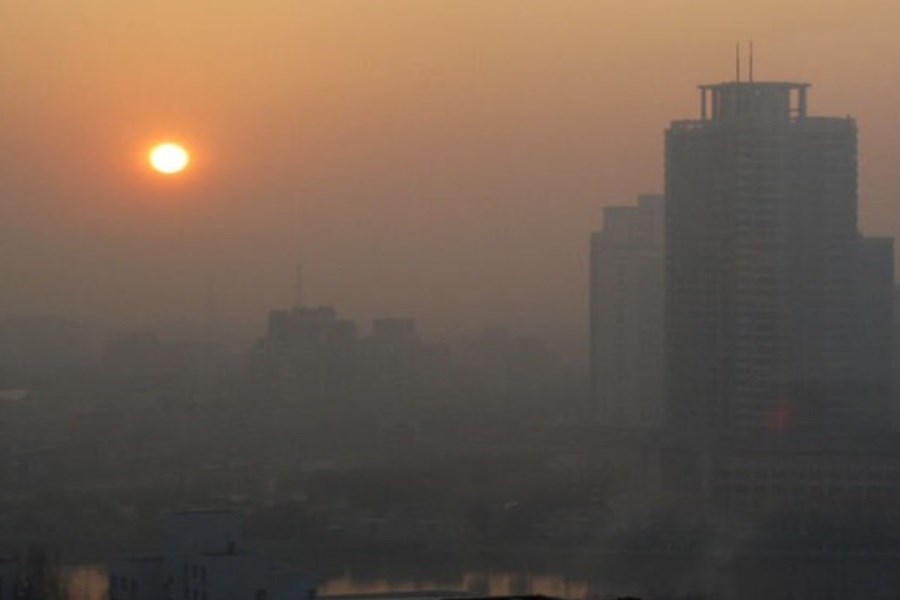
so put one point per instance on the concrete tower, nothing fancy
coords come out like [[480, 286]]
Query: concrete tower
[[626, 316], [762, 300]]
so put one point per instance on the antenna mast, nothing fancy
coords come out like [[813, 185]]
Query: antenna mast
[[737, 62], [751, 61]]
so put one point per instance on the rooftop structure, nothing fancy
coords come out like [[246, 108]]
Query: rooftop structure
[[772, 101], [763, 293]]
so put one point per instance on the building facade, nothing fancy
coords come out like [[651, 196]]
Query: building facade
[[204, 559], [626, 315], [8, 579], [763, 292]]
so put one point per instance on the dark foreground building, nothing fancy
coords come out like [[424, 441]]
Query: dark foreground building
[[776, 307]]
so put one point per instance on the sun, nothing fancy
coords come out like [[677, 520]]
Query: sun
[[169, 158]]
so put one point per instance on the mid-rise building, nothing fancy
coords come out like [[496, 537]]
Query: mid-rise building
[[8, 579], [310, 350], [39, 348], [626, 315], [204, 559], [305, 371]]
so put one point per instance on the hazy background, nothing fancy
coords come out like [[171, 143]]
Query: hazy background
[[443, 159]]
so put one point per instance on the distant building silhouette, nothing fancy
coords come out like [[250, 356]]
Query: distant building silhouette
[[394, 360], [310, 353], [769, 284], [204, 559], [8, 579], [40, 348], [142, 357], [626, 315], [304, 372]]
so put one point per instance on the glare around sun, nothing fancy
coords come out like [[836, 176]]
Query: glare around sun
[[169, 158]]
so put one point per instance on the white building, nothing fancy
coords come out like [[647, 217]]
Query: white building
[[136, 578], [204, 559]]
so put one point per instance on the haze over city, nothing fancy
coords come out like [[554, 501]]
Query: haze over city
[[438, 159], [438, 299]]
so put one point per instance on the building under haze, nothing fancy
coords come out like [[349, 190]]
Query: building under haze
[[204, 559], [309, 354], [41, 348], [304, 372], [773, 300], [8, 579], [626, 315]]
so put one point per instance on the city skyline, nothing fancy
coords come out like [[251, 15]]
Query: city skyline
[[734, 436], [442, 160]]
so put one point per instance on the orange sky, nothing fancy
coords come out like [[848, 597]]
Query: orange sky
[[439, 158]]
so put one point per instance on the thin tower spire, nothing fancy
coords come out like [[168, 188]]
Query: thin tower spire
[[751, 62], [737, 62]]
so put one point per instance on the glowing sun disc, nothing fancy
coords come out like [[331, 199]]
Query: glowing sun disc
[[169, 158]]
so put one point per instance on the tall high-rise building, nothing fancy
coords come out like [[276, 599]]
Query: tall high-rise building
[[763, 294], [876, 333], [626, 315]]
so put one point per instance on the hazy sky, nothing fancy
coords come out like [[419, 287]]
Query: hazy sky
[[444, 159]]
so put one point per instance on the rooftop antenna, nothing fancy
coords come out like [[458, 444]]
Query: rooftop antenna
[[751, 61], [737, 63]]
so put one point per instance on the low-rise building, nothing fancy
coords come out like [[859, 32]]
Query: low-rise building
[[204, 559], [136, 578], [8, 579]]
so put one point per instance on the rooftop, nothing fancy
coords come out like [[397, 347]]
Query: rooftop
[[761, 85]]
